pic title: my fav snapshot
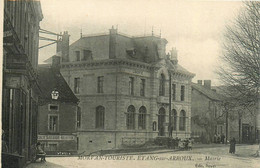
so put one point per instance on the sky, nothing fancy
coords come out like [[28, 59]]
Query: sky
[[195, 28]]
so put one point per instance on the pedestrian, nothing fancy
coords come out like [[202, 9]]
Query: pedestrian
[[222, 138], [40, 152], [189, 144], [215, 138], [232, 148]]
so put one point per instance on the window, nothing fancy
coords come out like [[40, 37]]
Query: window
[[78, 117], [173, 91], [142, 118], [53, 107], [162, 85], [130, 117], [53, 147], [53, 123], [142, 87], [100, 117], [77, 53], [87, 54], [182, 93], [174, 121], [76, 85], [131, 85], [100, 84], [182, 120]]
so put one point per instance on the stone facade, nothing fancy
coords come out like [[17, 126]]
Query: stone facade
[[123, 86]]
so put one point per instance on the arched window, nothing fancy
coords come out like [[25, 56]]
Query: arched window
[[174, 119], [161, 120], [130, 117], [162, 85], [182, 120], [142, 118], [100, 116]]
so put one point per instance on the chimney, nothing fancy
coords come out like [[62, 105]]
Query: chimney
[[59, 44], [207, 84], [55, 62], [174, 55], [200, 82], [112, 42], [65, 47]]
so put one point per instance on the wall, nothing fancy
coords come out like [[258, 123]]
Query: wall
[[67, 117]]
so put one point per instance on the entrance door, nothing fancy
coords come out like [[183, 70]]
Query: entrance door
[[161, 120], [246, 133]]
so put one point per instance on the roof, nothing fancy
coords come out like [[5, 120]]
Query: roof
[[207, 92], [51, 79]]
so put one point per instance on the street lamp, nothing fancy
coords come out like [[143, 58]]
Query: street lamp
[[54, 94]]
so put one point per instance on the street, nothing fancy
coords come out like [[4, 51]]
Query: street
[[205, 157]]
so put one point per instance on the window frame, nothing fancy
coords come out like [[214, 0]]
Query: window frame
[[100, 117], [130, 118], [100, 84], [142, 87], [182, 121], [182, 93], [49, 107], [142, 118], [77, 54], [77, 85], [162, 85], [131, 86], [49, 120]]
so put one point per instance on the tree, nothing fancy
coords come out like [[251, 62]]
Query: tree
[[241, 53], [240, 68]]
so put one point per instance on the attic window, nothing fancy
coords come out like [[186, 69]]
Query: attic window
[[131, 52], [87, 54], [53, 107]]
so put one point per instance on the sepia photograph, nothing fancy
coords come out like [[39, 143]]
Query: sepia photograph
[[130, 83]]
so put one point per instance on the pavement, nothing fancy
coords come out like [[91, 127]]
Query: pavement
[[218, 153]]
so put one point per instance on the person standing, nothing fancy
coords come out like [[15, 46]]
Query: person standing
[[232, 148], [222, 138]]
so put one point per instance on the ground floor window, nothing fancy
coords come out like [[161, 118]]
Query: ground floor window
[[130, 117], [142, 118]]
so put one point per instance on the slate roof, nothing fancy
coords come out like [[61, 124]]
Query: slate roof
[[50, 79], [207, 92]]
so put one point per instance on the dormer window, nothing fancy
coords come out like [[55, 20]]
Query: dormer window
[[77, 53], [87, 55], [131, 52]]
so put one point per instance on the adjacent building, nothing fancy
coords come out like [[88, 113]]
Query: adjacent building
[[241, 116], [59, 114], [215, 112], [124, 84], [20, 86], [208, 116]]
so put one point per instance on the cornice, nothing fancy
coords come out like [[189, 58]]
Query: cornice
[[107, 62]]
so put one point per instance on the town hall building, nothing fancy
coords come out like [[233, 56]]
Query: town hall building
[[130, 90]]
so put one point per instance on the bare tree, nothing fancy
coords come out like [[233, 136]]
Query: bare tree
[[240, 70], [241, 55]]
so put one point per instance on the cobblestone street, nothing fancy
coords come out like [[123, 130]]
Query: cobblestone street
[[212, 157]]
